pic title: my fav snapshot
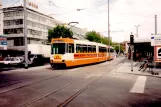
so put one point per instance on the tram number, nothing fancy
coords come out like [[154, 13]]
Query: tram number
[[57, 57]]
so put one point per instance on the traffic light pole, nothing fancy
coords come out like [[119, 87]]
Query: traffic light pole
[[132, 48], [131, 57]]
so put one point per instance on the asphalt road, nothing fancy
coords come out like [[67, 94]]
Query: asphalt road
[[88, 86]]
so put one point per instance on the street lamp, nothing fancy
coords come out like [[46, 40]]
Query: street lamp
[[73, 25], [109, 28], [137, 26]]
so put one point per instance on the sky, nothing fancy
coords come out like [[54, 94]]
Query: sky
[[124, 15]]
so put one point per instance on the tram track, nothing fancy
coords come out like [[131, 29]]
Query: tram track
[[69, 84], [2, 92], [68, 100], [35, 82]]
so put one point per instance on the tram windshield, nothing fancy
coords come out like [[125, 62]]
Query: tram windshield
[[58, 48]]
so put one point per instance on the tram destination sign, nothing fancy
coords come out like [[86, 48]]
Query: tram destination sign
[[156, 40]]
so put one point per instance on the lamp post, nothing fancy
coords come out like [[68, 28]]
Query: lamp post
[[72, 22], [109, 28], [25, 36]]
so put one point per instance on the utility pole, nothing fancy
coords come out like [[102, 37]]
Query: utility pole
[[155, 34], [155, 24], [109, 27], [119, 49], [25, 36], [137, 26]]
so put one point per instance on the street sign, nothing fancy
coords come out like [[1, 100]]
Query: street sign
[[3, 42], [157, 53], [155, 40]]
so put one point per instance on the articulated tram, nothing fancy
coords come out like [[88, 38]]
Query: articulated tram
[[69, 52]]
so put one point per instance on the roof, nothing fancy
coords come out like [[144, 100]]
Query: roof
[[31, 10]]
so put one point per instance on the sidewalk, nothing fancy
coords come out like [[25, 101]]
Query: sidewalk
[[30, 68], [126, 68]]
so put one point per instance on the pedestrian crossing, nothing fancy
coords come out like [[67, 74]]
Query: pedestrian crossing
[[139, 85]]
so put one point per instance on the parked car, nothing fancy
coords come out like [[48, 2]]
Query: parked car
[[12, 61]]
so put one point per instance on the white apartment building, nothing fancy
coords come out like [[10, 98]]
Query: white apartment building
[[1, 21], [37, 26]]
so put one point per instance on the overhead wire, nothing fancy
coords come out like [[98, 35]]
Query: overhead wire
[[13, 3]]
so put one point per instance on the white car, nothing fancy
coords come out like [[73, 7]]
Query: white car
[[12, 60]]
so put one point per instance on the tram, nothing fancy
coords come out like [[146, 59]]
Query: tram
[[68, 52]]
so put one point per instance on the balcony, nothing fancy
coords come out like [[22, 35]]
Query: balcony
[[13, 26], [13, 18], [15, 35], [16, 48]]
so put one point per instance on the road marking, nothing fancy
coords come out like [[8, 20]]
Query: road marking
[[139, 85], [93, 75]]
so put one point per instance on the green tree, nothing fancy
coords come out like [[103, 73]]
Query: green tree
[[59, 31], [106, 41], [93, 36], [116, 47]]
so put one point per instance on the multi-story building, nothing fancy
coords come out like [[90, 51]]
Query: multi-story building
[[37, 26]]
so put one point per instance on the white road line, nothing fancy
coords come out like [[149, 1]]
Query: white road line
[[93, 75], [139, 85]]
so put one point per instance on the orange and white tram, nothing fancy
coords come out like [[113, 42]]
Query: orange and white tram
[[70, 52]]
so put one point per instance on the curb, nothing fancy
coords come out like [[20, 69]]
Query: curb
[[30, 68], [139, 74]]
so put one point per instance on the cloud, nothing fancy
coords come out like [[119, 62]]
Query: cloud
[[124, 14]]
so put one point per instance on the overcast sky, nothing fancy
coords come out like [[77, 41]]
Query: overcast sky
[[124, 15]]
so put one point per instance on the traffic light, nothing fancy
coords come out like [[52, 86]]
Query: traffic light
[[131, 39]]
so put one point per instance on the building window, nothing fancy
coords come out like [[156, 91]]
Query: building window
[[18, 41], [13, 31]]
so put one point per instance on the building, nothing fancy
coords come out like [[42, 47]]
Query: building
[[142, 48], [78, 33], [37, 26]]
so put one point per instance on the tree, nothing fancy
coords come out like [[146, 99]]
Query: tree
[[93, 36], [116, 47], [105, 40], [59, 31]]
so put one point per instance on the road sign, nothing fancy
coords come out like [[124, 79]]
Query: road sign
[[157, 53], [156, 40], [3, 42]]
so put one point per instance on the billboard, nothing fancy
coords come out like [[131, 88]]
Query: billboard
[[155, 40], [3, 42], [157, 53]]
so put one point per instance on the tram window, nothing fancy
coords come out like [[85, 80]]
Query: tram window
[[84, 48], [58, 48], [78, 48], [93, 48], [111, 50], [102, 49], [71, 48], [89, 48]]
